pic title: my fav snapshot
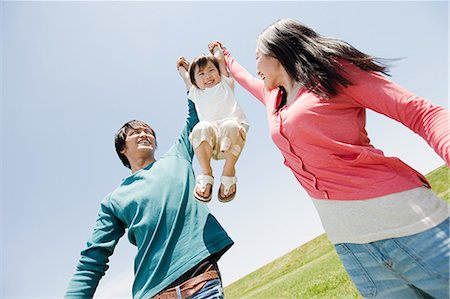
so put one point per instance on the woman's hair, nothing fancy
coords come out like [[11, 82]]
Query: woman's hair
[[121, 136], [310, 58], [201, 61]]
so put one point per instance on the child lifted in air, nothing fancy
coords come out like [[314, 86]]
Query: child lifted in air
[[222, 128]]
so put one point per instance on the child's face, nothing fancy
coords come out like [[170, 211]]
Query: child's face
[[207, 77]]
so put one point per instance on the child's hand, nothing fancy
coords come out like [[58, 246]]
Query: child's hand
[[182, 63], [216, 48], [214, 44]]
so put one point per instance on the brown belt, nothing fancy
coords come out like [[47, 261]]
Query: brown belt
[[189, 287]]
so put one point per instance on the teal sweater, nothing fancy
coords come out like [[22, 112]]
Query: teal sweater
[[171, 229]]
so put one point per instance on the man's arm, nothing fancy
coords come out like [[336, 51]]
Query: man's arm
[[94, 259], [183, 146], [183, 70]]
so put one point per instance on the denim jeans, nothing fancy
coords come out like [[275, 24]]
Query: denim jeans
[[415, 266], [211, 290]]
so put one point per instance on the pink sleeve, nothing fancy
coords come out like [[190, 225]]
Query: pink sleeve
[[430, 121], [244, 78]]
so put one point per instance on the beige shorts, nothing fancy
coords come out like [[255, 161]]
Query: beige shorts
[[224, 135]]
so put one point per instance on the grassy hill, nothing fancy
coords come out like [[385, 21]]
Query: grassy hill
[[312, 270]]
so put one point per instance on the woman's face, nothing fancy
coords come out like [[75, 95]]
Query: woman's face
[[270, 70]]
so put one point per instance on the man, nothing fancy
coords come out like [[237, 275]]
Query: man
[[178, 241]]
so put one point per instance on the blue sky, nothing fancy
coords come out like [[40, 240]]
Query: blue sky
[[73, 72]]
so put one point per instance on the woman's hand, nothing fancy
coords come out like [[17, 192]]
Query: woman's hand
[[214, 44], [216, 49]]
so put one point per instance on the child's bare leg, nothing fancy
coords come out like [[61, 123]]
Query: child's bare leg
[[204, 153], [232, 136], [229, 170]]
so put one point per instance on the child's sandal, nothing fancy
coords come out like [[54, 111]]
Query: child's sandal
[[227, 182], [203, 180]]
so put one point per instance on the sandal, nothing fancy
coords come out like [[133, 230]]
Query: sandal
[[227, 182], [203, 180]]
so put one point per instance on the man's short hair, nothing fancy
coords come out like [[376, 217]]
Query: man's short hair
[[121, 137]]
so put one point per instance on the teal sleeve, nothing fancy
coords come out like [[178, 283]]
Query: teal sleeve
[[183, 146], [94, 259]]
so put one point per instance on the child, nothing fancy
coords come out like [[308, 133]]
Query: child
[[223, 126]]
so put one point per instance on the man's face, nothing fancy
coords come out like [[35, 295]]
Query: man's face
[[139, 143]]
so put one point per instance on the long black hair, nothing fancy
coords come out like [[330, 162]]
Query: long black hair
[[310, 58]]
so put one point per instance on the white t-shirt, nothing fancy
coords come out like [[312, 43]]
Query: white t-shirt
[[217, 103], [390, 216]]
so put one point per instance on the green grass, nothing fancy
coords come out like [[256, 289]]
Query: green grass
[[312, 270], [440, 181]]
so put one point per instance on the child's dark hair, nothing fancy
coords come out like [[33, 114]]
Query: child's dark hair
[[201, 61]]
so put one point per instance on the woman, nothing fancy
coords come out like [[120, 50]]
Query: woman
[[389, 229]]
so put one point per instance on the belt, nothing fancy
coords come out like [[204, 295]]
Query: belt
[[189, 287]]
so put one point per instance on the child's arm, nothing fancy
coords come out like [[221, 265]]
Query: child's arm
[[216, 49], [183, 67]]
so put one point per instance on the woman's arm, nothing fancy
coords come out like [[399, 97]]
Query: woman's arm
[[243, 77], [374, 91]]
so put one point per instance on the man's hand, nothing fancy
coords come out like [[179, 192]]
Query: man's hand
[[183, 67], [183, 63]]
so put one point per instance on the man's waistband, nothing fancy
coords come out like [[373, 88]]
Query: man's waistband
[[189, 287]]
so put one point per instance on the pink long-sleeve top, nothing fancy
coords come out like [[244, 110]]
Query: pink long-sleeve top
[[325, 144]]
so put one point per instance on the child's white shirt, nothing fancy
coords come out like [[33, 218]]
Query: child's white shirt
[[217, 103]]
